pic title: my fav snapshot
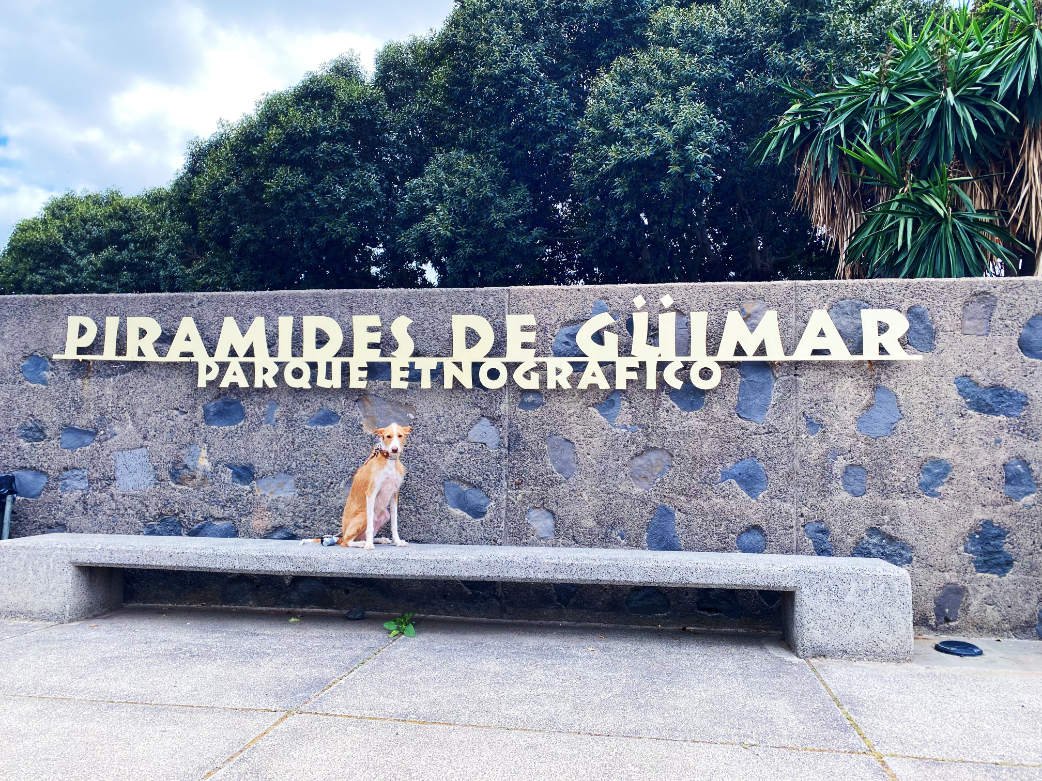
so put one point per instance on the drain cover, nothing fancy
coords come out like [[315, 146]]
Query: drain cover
[[958, 648]]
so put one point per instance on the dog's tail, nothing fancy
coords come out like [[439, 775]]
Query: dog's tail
[[327, 540]]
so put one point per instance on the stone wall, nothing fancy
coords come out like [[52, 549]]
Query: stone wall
[[933, 465]]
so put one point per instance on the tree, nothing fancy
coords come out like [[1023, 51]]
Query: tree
[[97, 243], [411, 77], [682, 115], [526, 142], [643, 171], [297, 194], [471, 224], [505, 85], [929, 164]]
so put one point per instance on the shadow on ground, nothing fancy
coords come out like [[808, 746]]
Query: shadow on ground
[[702, 608]]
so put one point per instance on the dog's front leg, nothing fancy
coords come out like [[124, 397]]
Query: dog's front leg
[[370, 519], [394, 522]]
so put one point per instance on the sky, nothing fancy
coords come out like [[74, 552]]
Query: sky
[[108, 94]]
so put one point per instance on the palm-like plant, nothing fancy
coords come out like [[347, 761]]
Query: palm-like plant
[[927, 228], [931, 163], [1019, 63]]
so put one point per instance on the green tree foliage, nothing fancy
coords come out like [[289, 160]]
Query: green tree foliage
[[473, 225], [507, 84], [644, 171], [295, 195], [686, 111], [929, 164], [524, 142], [97, 243]]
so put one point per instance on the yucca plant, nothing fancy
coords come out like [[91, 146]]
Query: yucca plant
[[927, 228], [929, 164], [1019, 62]]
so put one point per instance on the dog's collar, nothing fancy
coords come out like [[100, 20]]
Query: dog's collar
[[379, 452]]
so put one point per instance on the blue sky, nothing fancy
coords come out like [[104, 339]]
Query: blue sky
[[107, 94]]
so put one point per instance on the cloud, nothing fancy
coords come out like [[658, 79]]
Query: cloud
[[111, 98], [235, 68], [18, 200]]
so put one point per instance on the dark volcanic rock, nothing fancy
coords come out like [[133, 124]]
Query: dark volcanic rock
[[877, 544]]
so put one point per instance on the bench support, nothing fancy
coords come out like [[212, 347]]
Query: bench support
[[40, 585], [870, 618]]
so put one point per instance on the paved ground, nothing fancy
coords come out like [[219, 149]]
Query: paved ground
[[184, 694]]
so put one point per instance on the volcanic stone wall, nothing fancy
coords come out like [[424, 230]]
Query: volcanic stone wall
[[933, 465]]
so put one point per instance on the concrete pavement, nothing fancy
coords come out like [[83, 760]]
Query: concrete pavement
[[183, 694]]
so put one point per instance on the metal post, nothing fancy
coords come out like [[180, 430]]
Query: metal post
[[8, 504], [8, 491]]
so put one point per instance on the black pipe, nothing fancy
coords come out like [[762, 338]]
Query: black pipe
[[8, 491]]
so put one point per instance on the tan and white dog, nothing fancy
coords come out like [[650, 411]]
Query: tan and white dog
[[373, 498]]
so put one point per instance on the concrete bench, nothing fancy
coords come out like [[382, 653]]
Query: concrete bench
[[836, 607]]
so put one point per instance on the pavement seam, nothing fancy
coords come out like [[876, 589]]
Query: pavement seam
[[585, 733], [230, 760], [876, 754], [143, 703], [29, 631], [982, 762]]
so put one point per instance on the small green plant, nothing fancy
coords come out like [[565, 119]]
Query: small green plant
[[401, 626]]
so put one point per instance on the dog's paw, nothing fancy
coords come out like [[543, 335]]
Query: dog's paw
[[369, 546], [382, 540], [401, 543]]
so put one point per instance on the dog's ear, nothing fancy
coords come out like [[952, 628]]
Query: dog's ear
[[378, 432], [406, 430]]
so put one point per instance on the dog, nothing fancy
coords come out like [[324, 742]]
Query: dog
[[373, 498]]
